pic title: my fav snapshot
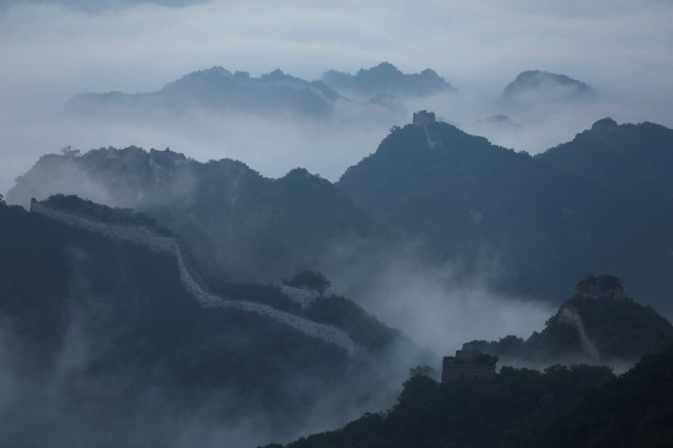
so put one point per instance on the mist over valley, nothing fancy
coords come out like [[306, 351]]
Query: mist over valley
[[247, 224]]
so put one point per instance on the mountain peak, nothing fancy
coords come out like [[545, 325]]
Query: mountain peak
[[385, 77], [218, 69], [604, 124], [216, 89], [537, 77], [537, 85], [215, 71], [383, 67], [277, 74], [593, 287]]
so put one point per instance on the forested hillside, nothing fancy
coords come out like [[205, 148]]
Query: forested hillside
[[560, 407], [81, 311]]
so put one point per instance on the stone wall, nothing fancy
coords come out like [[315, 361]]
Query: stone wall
[[140, 235], [453, 372], [570, 316], [147, 237], [468, 365]]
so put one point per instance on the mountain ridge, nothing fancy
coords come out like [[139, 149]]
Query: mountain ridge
[[598, 325], [219, 90], [457, 195], [461, 192], [386, 78]]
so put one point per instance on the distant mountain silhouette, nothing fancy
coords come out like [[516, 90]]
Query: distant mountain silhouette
[[535, 87], [386, 78], [220, 90]]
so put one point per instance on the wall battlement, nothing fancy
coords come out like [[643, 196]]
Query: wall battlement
[[468, 365], [423, 118], [141, 235]]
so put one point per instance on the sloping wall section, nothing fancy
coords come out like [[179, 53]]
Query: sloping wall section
[[147, 237]]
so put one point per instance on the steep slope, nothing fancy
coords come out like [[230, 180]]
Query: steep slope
[[539, 226], [635, 160], [599, 324], [237, 223], [144, 236], [218, 89], [102, 314], [386, 78], [468, 414], [631, 411]]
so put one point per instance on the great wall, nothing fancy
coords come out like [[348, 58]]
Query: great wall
[[149, 238], [570, 316]]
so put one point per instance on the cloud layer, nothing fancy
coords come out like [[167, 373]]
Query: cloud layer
[[52, 51]]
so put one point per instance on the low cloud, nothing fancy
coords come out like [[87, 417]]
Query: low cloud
[[53, 52], [439, 307]]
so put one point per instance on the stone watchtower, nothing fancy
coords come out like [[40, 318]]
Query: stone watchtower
[[468, 365], [423, 118]]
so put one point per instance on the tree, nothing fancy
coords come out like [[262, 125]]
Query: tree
[[71, 152], [2, 200], [425, 371], [313, 280]]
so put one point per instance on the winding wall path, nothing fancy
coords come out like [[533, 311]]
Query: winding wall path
[[147, 237]]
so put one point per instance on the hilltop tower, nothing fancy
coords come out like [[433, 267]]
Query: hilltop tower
[[423, 118], [468, 365]]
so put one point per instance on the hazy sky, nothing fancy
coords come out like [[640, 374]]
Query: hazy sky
[[51, 51]]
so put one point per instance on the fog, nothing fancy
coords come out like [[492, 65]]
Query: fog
[[438, 306], [54, 50], [68, 398], [64, 406]]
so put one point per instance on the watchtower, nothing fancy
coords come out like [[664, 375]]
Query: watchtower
[[468, 365], [423, 118]]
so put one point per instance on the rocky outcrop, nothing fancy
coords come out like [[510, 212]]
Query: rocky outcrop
[[149, 238]]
